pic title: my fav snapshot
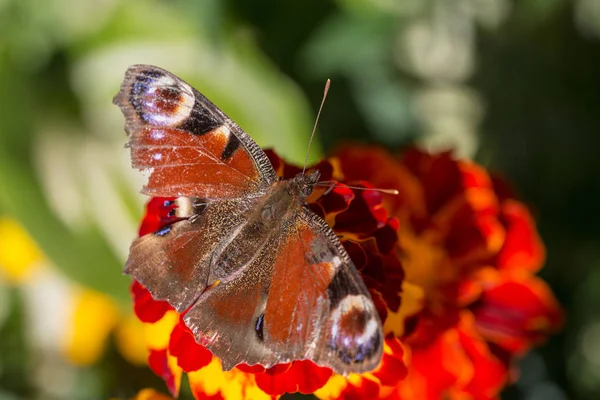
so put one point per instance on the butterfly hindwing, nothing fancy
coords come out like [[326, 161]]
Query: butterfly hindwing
[[318, 306], [300, 298], [176, 263], [186, 144]]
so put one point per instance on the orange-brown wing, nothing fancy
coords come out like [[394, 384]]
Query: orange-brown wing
[[318, 306], [175, 263], [186, 144], [300, 298]]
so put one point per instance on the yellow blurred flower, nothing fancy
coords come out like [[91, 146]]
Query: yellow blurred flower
[[96, 316], [128, 332], [19, 255]]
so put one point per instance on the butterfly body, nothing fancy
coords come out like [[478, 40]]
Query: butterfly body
[[258, 277]]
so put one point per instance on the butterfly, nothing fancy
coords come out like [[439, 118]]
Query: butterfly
[[258, 277]]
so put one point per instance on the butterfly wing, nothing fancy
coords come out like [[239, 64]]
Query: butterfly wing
[[186, 144], [251, 293], [301, 298], [318, 306], [176, 263]]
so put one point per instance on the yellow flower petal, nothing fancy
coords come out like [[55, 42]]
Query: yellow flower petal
[[157, 334], [232, 385], [412, 302], [333, 388], [176, 370]]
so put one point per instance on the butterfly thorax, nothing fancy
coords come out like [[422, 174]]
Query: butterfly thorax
[[265, 216], [287, 195], [302, 185]]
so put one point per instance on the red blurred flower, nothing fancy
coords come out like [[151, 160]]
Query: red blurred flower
[[470, 252]]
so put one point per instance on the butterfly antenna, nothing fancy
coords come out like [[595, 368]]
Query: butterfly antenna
[[316, 122], [386, 191]]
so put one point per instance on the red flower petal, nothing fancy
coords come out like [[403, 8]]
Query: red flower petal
[[159, 212], [489, 373], [302, 376], [523, 248], [367, 389], [278, 369], [357, 254], [365, 214], [190, 355], [439, 174], [387, 236], [145, 307], [392, 368], [337, 200], [251, 369], [516, 312], [159, 363]]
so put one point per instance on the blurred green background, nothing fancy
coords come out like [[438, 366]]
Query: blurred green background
[[513, 84]]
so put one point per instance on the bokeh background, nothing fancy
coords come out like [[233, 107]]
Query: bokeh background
[[513, 84]]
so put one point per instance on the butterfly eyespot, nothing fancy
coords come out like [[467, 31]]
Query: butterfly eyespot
[[355, 333], [161, 100]]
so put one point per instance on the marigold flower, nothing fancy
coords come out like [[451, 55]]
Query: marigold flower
[[369, 235], [449, 262]]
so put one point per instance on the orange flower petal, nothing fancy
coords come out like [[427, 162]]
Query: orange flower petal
[[436, 368], [489, 373]]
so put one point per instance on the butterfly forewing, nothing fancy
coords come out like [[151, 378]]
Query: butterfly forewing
[[185, 143]]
